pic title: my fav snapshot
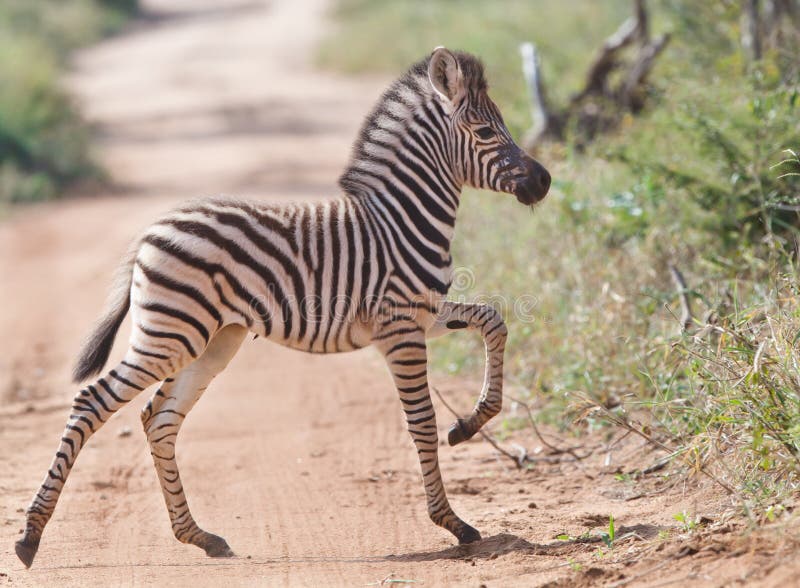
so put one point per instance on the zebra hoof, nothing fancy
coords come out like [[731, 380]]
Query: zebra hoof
[[468, 534], [216, 546], [26, 549], [458, 433]]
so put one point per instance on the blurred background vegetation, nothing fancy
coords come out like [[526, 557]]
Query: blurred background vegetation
[[43, 142], [702, 181]]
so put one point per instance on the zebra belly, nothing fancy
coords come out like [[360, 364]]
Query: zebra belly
[[345, 337]]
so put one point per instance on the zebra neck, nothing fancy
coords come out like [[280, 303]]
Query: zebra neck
[[414, 216], [406, 177], [401, 168], [408, 185]]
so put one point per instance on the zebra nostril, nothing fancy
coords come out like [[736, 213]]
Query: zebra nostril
[[544, 180]]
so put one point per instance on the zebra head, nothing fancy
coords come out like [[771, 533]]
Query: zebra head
[[483, 154]]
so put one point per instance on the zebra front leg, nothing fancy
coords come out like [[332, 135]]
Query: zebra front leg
[[162, 418], [486, 320], [91, 408], [403, 345]]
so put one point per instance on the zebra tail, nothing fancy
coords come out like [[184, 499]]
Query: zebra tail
[[97, 348]]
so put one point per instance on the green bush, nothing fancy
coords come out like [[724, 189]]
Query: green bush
[[713, 171], [43, 142]]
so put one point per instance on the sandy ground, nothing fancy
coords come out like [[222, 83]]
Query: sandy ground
[[301, 462]]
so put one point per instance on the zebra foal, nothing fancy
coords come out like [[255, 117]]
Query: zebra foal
[[371, 267]]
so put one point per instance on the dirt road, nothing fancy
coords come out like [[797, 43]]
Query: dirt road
[[302, 463]]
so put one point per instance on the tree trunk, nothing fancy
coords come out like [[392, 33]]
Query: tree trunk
[[751, 28]]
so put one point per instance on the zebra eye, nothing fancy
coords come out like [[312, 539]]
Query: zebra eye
[[484, 133]]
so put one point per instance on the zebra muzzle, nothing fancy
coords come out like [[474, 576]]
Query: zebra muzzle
[[534, 184]]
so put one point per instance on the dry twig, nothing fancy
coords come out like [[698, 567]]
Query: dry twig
[[523, 457], [518, 460], [623, 423], [687, 319], [550, 446]]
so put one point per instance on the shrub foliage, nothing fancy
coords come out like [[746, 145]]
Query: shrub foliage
[[43, 142]]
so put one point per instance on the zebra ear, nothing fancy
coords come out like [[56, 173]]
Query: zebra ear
[[445, 74]]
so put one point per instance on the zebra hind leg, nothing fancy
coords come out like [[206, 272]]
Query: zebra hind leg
[[162, 418], [91, 408], [403, 345]]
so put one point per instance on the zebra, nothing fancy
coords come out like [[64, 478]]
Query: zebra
[[369, 267]]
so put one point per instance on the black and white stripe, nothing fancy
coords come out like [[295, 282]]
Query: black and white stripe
[[371, 267]]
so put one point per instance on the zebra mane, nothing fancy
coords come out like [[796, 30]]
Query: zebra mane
[[396, 108]]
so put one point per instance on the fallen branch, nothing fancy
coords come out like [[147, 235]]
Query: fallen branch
[[546, 124], [601, 103], [606, 60], [630, 94]]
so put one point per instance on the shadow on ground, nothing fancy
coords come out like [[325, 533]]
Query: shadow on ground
[[505, 543]]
